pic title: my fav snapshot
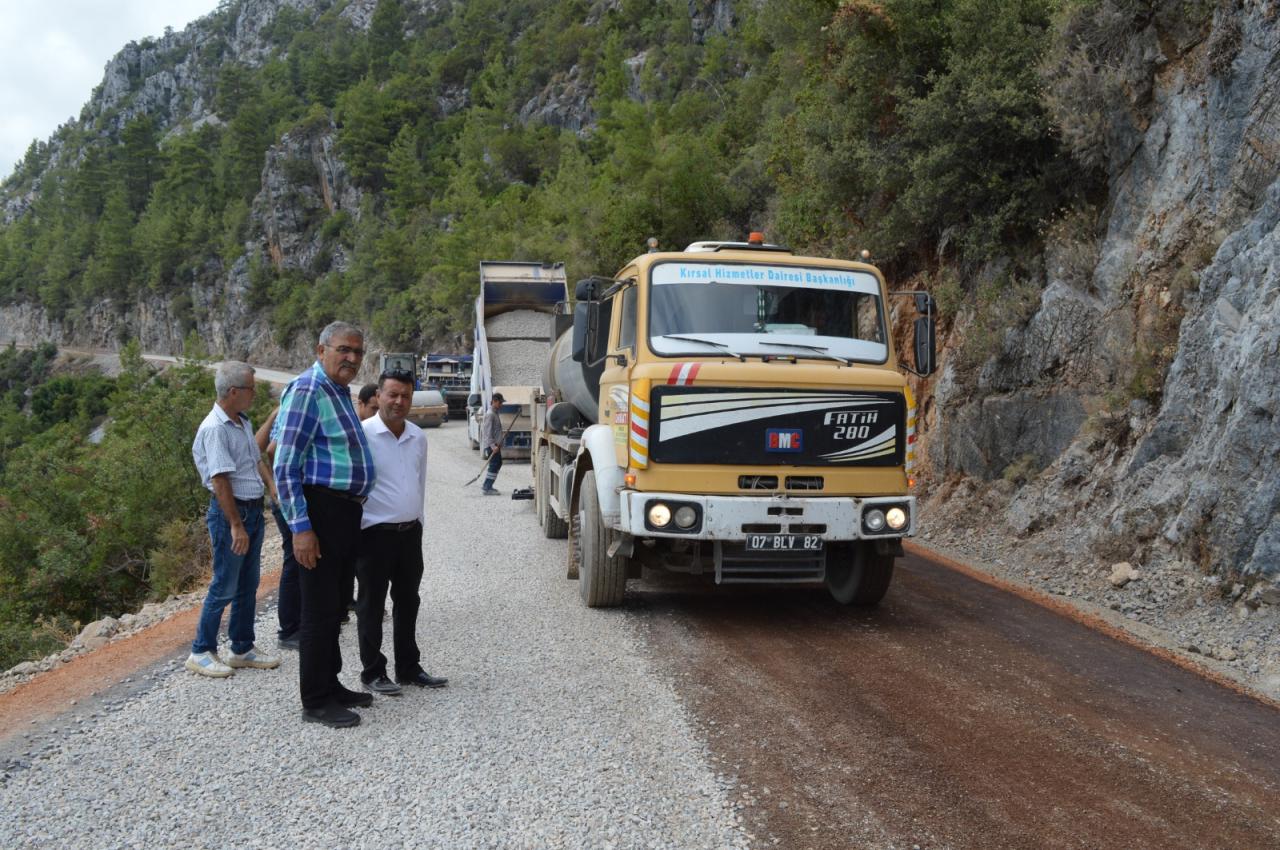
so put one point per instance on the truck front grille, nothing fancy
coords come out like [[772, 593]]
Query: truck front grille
[[757, 482]]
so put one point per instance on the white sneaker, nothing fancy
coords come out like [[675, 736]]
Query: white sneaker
[[253, 658], [207, 664]]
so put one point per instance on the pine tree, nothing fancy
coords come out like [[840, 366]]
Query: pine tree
[[139, 163], [113, 261], [386, 37], [406, 178]]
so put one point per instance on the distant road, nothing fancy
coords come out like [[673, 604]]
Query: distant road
[[110, 363]]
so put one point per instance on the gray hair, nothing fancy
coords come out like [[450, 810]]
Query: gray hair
[[334, 329], [231, 374]]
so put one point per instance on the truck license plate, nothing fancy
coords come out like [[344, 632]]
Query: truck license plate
[[784, 543]]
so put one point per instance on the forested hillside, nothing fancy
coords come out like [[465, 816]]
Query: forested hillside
[[565, 130]]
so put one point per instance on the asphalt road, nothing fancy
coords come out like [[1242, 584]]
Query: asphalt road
[[960, 715]]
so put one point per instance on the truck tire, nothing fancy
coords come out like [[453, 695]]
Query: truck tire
[[553, 527], [857, 575], [602, 581]]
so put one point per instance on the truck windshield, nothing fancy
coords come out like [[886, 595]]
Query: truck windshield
[[757, 310]]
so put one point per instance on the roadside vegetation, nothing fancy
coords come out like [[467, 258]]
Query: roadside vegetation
[[101, 508]]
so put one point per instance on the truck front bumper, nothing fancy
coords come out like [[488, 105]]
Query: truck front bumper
[[737, 517]]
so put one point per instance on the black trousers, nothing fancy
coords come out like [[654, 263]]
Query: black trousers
[[389, 558], [289, 603], [336, 522]]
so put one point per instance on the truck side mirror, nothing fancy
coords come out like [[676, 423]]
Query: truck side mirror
[[473, 400], [925, 305], [581, 326], [925, 345], [585, 290]]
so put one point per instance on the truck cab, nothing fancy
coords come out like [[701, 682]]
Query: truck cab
[[751, 422]]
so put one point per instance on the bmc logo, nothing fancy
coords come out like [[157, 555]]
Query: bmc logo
[[784, 440]]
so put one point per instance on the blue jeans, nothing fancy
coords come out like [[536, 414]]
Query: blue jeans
[[235, 581]]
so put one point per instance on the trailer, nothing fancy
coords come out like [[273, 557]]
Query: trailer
[[514, 312], [451, 375]]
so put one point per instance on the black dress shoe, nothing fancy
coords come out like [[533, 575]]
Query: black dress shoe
[[351, 699], [332, 715], [383, 685], [423, 680]]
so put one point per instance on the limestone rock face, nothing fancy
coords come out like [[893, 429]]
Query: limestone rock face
[[564, 102], [303, 182], [1191, 230]]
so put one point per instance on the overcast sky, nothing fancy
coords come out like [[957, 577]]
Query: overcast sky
[[52, 54]]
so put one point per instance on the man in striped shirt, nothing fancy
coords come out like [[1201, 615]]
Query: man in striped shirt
[[323, 472]]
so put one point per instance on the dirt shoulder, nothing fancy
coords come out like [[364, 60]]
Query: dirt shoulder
[[49, 694]]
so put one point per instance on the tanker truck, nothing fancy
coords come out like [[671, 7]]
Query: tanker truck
[[734, 411]]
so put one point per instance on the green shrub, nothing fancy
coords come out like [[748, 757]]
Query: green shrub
[[182, 559]]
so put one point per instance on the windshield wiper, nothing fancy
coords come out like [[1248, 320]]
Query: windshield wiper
[[719, 345], [825, 352]]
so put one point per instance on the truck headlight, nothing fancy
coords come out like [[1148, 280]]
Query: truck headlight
[[686, 516], [896, 518], [659, 515], [873, 520]]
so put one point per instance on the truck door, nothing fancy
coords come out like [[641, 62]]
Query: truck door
[[620, 357]]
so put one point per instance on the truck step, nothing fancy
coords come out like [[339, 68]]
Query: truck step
[[736, 565]]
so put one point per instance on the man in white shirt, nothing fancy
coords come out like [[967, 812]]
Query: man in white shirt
[[391, 540], [231, 469]]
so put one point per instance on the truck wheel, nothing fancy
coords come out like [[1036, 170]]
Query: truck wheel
[[602, 581], [553, 527], [857, 575]]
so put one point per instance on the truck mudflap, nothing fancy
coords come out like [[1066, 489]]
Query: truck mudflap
[[741, 518]]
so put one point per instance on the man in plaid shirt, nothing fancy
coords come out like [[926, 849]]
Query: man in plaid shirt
[[323, 472]]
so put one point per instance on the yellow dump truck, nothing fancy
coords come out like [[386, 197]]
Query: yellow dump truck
[[731, 410]]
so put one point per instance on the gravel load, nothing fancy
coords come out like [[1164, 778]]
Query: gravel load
[[518, 362], [519, 324], [554, 731]]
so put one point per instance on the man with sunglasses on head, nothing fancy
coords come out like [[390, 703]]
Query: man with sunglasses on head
[[391, 540], [324, 471]]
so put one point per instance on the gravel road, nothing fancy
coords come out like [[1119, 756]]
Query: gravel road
[[555, 730]]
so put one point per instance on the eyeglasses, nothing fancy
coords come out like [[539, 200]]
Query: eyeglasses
[[403, 375], [344, 350]]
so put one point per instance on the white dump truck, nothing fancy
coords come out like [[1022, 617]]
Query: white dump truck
[[514, 316]]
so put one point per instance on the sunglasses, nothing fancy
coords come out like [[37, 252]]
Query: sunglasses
[[403, 375]]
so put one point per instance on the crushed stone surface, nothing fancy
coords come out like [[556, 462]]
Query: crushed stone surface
[[554, 731]]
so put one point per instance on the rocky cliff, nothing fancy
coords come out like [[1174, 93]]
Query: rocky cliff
[[1179, 270]]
